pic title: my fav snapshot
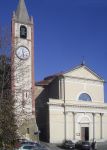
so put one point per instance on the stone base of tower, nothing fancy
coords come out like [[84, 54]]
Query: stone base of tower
[[28, 128]]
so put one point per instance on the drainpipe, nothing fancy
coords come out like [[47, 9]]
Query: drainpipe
[[101, 127], [64, 108], [73, 125], [93, 125]]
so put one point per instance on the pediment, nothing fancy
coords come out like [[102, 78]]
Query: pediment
[[83, 72]]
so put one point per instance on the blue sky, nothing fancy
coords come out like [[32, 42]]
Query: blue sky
[[66, 31]]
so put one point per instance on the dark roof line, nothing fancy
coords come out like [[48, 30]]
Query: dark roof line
[[47, 80]]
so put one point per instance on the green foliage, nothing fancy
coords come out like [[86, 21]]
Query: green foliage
[[8, 125]]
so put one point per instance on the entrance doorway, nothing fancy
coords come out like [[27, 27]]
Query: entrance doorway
[[85, 133]]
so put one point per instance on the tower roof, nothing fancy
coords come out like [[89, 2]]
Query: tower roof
[[21, 13]]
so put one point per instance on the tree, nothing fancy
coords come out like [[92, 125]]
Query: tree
[[15, 113], [8, 126]]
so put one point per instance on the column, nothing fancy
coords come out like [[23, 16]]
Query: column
[[93, 125], [65, 125], [60, 89], [73, 125], [64, 107], [101, 126]]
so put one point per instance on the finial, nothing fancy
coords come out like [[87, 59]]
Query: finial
[[83, 61]]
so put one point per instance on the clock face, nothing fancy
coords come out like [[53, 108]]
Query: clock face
[[22, 53]]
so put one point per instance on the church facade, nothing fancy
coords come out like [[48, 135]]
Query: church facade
[[70, 106]]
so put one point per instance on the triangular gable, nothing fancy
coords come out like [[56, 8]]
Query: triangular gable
[[83, 71]]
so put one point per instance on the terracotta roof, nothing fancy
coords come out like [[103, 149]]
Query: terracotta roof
[[47, 80], [43, 82]]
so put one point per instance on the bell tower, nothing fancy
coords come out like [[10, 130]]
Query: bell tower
[[23, 67]]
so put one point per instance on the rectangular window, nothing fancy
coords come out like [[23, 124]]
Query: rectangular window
[[23, 32]]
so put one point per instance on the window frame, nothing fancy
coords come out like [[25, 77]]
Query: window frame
[[86, 97]]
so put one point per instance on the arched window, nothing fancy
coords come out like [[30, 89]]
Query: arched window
[[23, 32], [84, 97]]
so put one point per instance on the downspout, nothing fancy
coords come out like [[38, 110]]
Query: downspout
[[64, 108]]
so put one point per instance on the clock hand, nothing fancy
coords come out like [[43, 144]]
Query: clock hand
[[23, 52]]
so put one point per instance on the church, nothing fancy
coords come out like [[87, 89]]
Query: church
[[70, 106], [63, 106]]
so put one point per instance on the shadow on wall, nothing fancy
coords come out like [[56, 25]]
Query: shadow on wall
[[42, 115]]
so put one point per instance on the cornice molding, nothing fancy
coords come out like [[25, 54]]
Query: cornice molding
[[77, 105], [84, 79]]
